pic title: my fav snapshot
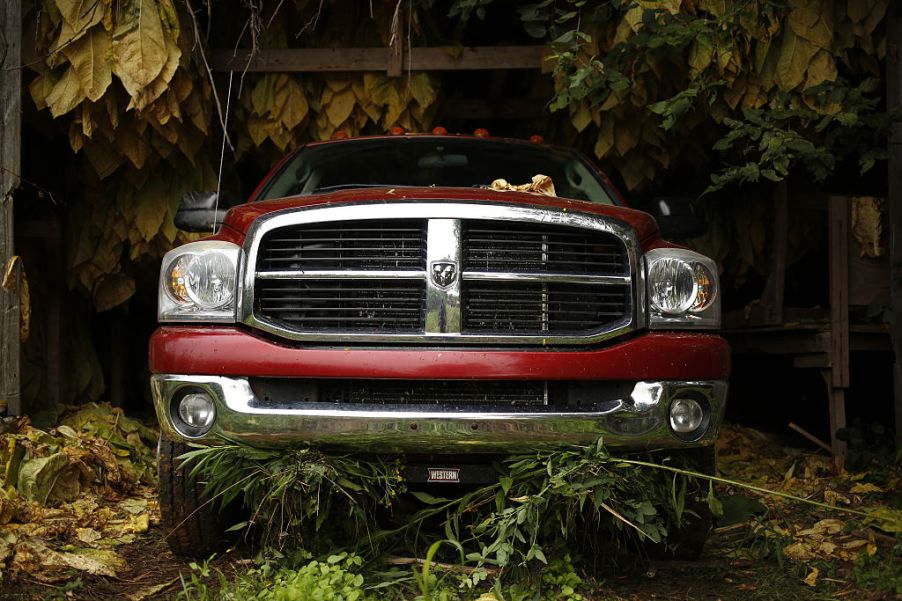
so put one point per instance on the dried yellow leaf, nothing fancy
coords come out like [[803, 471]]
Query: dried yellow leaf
[[66, 94], [90, 60], [716, 7], [626, 137], [395, 105], [139, 47], [799, 551], [811, 578], [822, 68], [580, 116], [78, 17], [813, 21], [422, 89], [150, 207], [41, 86], [131, 144], [295, 106], [701, 54], [867, 227], [160, 84], [795, 55]]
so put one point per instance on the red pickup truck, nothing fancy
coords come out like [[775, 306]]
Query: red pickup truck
[[376, 295]]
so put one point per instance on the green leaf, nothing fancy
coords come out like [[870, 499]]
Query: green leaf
[[714, 503], [425, 497], [237, 527]]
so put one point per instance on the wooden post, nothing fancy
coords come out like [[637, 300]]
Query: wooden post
[[838, 380], [894, 101], [10, 159], [395, 62], [774, 291]]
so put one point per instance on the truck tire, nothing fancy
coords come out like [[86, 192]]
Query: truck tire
[[189, 523]]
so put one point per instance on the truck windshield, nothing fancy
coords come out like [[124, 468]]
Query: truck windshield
[[429, 161]]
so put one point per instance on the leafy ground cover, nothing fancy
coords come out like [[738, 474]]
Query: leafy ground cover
[[78, 519]]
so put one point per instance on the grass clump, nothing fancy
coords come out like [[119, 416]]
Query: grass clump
[[582, 497], [290, 491]]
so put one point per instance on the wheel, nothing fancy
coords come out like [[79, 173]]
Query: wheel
[[186, 515], [687, 542]]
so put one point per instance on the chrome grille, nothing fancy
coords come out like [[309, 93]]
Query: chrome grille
[[440, 272]]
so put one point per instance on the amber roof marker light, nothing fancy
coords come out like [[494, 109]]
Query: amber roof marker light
[[481, 133]]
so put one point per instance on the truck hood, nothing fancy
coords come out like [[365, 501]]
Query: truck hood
[[241, 217]]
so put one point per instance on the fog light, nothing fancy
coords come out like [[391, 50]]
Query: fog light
[[197, 411], [686, 415]]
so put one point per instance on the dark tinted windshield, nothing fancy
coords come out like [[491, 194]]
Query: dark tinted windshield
[[428, 161]]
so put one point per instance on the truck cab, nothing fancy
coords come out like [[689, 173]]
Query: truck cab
[[389, 295]]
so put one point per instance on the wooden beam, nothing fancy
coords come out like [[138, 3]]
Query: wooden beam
[[301, 60], [894, 201], [10, 164]]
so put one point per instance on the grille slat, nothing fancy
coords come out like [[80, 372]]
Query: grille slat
[[543, 307], [516, 246], [394, 244], [372, 305]]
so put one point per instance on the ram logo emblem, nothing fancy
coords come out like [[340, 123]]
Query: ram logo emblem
[[443, 273]]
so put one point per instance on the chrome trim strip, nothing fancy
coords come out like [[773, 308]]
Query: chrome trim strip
[[547, 277], [640, 420], [443, 251], [339, 274], [433, 211]]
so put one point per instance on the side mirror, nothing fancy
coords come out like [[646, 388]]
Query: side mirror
[[198, 213], [676, 218]]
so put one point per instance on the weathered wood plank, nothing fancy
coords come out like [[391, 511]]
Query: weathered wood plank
[[297, 60], [10, 148]]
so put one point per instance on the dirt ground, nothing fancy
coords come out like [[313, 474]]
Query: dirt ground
[[154, 572], [79, 520]]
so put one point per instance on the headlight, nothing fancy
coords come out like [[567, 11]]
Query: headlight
[[198, 282], [681, 289]]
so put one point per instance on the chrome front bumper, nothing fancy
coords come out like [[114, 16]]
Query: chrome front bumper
[[640, 421]]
